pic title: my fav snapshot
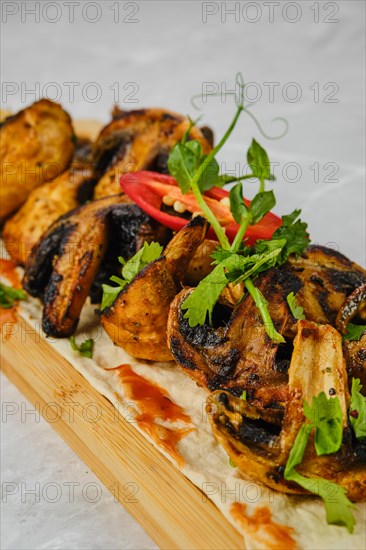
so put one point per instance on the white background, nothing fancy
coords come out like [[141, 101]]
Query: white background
[[311, 54]]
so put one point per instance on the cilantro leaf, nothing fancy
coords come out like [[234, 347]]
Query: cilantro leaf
[[295, 233], [296, 310], [240, 267], [357, 409], [110, 294], [258, 161], [237, 206], [298, 449], [244, 395], [354, 332], [261, 205], [85, 349], [147, 254], [201, 302], [262, 304], [9, 295], [326, 416], [337, 506]]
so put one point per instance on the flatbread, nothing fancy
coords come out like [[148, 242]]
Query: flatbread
[[265, 518]]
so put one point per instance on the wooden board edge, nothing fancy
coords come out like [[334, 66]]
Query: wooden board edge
[[169, 507]]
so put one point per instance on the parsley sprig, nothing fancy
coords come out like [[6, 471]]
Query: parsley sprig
[[357, 409], [235, 263], [85, 349], [325, 417], [244, 266], [354, 332], [10, 295], [296, 310], [148, 253]]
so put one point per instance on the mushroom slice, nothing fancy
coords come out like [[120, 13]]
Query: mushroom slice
[[36, 146], [354, 305], [355, 355], [137, 320], [138, 140], [201, 264], [317, 365], [64, 264], [250, 437], [236, 354], [354, 351], [44, 206], [260, 448], [326, 279]]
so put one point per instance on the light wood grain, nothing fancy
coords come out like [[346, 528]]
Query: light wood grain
[[169, 507]]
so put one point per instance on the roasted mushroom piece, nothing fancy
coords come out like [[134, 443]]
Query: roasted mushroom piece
[[36, 146], [137, 320], [138, 140], [237, 354], [64, 264], [354, 308], [260, 447], [47, 203]]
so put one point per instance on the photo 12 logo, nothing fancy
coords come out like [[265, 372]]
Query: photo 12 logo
[[71, 12], [270, 12], [272, 91], [67, 491], [69, 92]]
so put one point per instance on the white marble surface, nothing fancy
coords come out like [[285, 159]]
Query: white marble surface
[[163, 59]]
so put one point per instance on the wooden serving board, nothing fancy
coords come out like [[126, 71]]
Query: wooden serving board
[[169, 507]]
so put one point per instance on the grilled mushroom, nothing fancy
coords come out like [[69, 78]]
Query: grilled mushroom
[[47, 203], [138, 140], [354, 305], [237, 354], [64, 264], [137, 320], [36, 146], [354, 351], [260, 447]]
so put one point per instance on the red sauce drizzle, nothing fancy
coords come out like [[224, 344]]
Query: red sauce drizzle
[[8, 316], [263, 529], [8, 270], [154, 403]]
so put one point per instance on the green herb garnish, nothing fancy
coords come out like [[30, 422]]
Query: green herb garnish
[[243, 266], [235, 263], [357, 410], [148, 253], [354, 332], [325, 416], [9, 295], [296, 310], [85, 349]]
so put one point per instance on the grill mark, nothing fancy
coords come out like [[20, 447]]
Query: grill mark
[[346, 281], [322, 298], [39, 268], [227, 363], [179, 355], [201, 335]]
